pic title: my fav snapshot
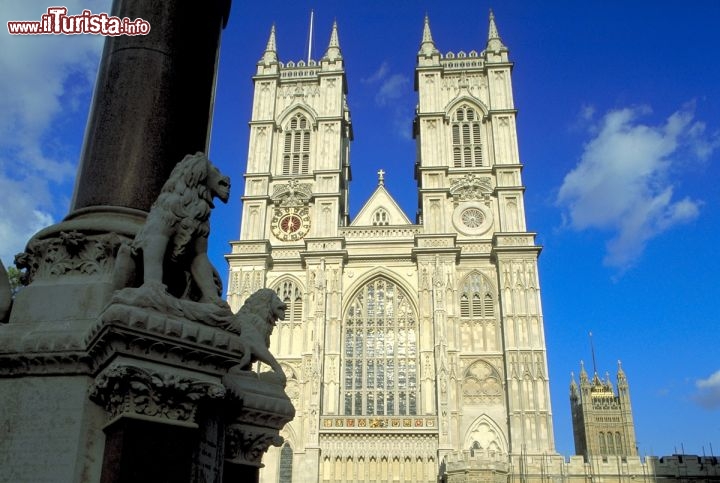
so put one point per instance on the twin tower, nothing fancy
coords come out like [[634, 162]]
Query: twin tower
[[412, 348]]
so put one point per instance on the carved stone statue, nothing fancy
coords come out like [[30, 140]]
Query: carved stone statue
[[173, 243], [166, 269], [255, 321]]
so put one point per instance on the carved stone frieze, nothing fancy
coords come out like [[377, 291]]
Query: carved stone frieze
[[286, 253], [470, 188], [69, 252], [246, 444], [436, 242], [475, 247], [517, 240], [135, 391], [292, 194], [351, 233]]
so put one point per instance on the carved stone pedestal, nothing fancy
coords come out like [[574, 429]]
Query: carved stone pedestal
[[152, 435], [250, 432]]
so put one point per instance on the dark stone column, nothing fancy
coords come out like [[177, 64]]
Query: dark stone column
[[233, 473], [151, 106], [145, 452], [152, 103]]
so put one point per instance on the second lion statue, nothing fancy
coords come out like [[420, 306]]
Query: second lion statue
[[255, 321]]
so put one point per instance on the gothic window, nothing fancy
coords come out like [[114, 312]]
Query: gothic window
[[380, 352], [286, 463], [476, 300], [381, 217], [610, 444], [292, 296], [618, 443], [296, 146], [466, 139], [603, 447]]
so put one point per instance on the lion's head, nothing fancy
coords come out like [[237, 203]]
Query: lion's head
[[263, 308], [186, 199]]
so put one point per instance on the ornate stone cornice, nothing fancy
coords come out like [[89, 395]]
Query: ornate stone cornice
[[67, 253], [265, 410], [134, 330], [131, 391], [246, 444]]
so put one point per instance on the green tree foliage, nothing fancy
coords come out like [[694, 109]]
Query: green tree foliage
[[14, 275]]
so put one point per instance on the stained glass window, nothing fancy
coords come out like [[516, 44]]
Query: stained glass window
[[286, 461], [380, 352]]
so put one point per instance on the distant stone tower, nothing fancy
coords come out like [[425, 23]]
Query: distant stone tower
[[602, 421]]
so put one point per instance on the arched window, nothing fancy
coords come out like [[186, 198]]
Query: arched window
[[476, 299], [286, 463], [292, 296], [380, 352], [618, 443], [610, 444], [603, 447], [296, 147], [381, 217], [466, 139]]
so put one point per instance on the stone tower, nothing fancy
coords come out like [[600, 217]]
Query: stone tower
[[411, 349], [602, 420]]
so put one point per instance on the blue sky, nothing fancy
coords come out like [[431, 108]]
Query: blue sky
[[619, 133]]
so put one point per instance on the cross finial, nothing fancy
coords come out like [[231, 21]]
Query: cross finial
[[381, 177]]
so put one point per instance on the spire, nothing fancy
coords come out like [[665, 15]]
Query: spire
[[622, 379], [573, 385], [583, 373], [333, 50], [427, 46], [270, 54], [494, 43]]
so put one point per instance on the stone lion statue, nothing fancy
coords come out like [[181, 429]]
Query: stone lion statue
[[173, 242], [255, 322]]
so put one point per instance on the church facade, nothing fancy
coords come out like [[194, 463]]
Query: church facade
[[409, 346]]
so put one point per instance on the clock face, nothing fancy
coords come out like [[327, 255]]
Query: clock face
[[291, 223]]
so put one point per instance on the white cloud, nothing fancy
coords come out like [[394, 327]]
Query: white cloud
[[379, 74], [708, 395], [42, 79], [622, 184], [392, 88]]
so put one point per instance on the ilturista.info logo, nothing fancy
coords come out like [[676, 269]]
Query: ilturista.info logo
[[57, 22]]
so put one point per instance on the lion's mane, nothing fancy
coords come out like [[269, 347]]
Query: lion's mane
[[183, 206], [257, 310]]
